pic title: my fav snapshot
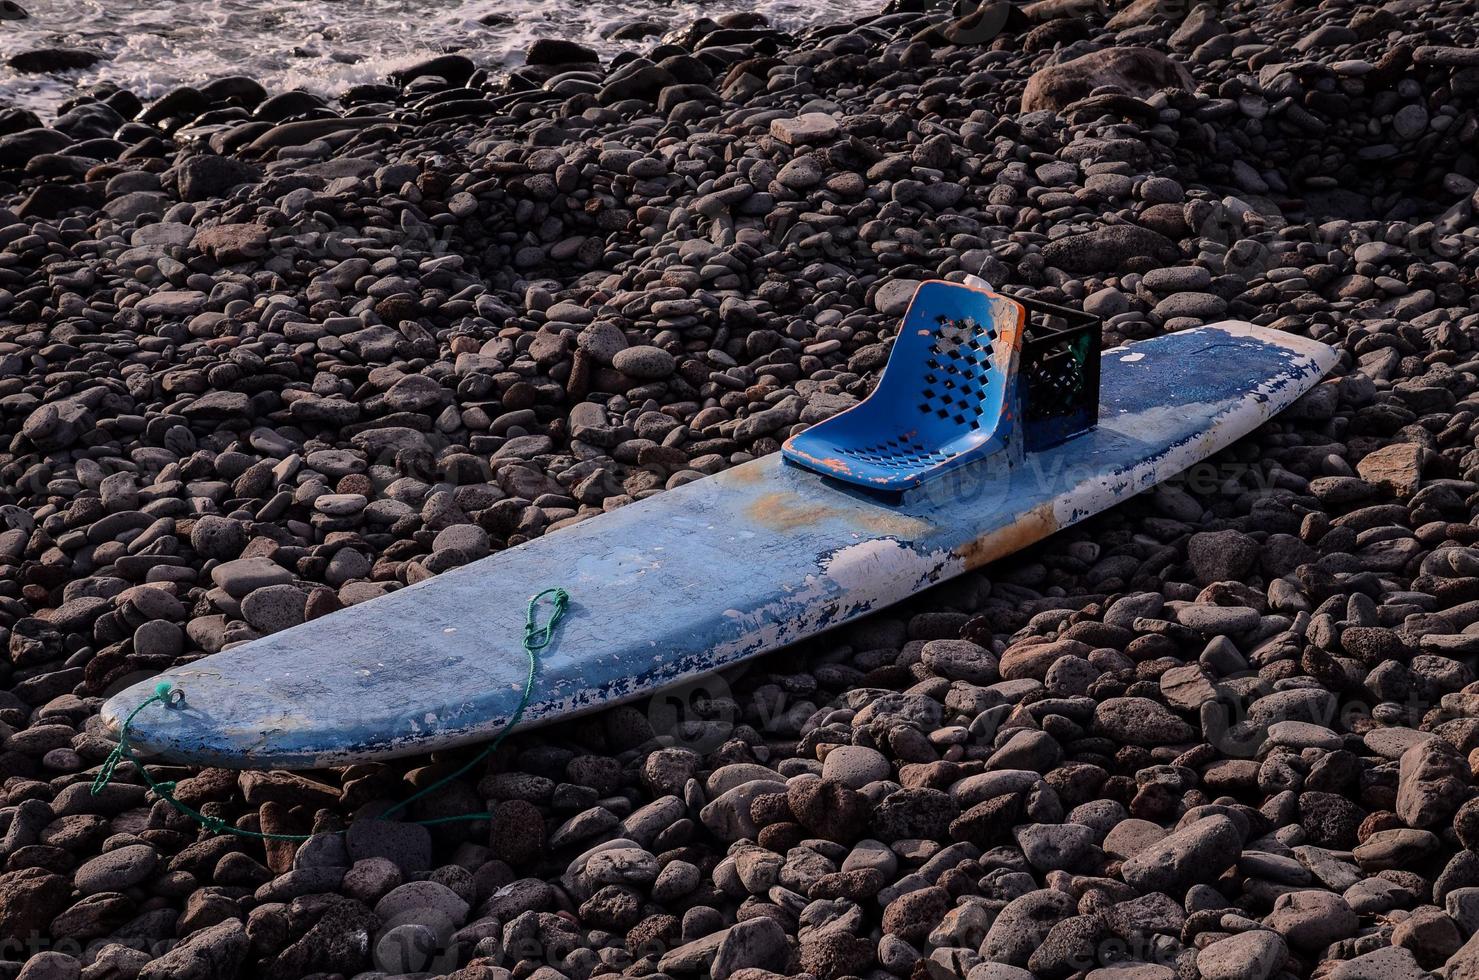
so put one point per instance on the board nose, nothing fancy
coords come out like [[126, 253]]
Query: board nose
[[162, 720], [149, 712]]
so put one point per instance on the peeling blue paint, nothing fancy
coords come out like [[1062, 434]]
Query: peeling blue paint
[[679, 585]]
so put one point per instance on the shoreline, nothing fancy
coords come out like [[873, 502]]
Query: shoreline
[[325, 55], [263, 357]]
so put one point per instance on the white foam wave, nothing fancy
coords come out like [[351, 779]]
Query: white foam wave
[[326, 46]]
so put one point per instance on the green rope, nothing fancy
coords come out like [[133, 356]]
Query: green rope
[[536, 638]]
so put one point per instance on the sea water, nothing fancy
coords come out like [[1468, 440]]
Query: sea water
[[325, 46]]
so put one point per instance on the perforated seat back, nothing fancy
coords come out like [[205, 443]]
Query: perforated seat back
[[947, 396]]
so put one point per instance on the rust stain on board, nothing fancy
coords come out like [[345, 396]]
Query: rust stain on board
[[782, 512], [1028, 529], [835, 465], [742, 474]]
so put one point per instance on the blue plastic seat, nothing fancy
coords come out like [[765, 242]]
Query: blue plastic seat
[[947, 396]]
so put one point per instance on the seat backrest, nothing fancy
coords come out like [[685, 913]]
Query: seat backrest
[[954, 363]]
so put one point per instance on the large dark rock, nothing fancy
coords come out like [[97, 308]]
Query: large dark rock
[[29, 899], [1110, 249], [1199, 852], [206, 176], [455, 68], [338, 943], [16, 149], [235, 89], [15, 120], [53, 200], [91, 120], [288, 105], [217, 953], [46, 60], [1139, 72], [185, 102], [557, 51]]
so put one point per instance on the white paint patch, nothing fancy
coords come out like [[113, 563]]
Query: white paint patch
[[867, 575], [1152, 426], [1132, 358], [863, 566]]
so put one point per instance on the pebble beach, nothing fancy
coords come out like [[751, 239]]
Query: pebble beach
[[269, 354]]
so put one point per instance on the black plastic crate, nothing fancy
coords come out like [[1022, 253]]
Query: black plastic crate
[[1058, 373]]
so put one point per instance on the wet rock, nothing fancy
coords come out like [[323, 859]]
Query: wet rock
[[353, 348], [51, 60]]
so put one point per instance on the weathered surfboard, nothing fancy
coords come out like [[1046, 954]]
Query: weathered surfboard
[[700, 577]]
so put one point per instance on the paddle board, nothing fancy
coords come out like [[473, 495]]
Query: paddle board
[[698, 578]]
